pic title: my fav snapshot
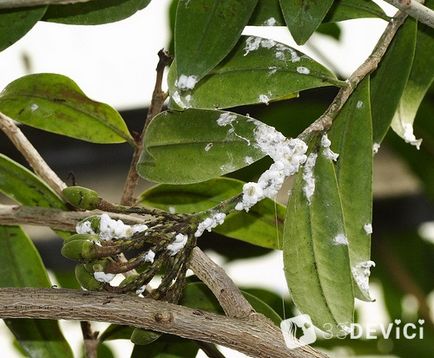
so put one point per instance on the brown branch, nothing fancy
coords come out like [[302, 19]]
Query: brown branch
[[252, 337], [324, 122], [9, 4], [416, 9], [41, 168], [227, 293], [158, 98], [90, 339]]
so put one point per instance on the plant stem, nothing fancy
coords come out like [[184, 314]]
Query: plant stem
[[90, 339], [254, 337], [416, 9], [324, 122], [157, 101]]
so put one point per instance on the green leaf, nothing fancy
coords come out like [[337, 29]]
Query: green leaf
[[143, 337], [190, 146], [25, 187], [267, 13], [257, 71], [420, 79], [94, 12], [304, 16], [21, 266], [56, 104], [330, 29], [261, 226], [15, 23], [394, 68], [167, 347], [316, 260], [342, 10], [351, 137], [205, 32]]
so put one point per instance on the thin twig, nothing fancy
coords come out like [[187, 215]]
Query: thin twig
[[158, 98], [31, 155], [416, 9], [325, 121], [90, 339], [252, 337], [9, 4]]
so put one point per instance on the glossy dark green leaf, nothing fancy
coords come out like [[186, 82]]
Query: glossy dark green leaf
[[315, 256], [267, 13], [21, 266], [167, 347], [205, 32], [258, 70], [115, 331], [393, 69], [261, 226], [304, 16], [420, 79], [190, 146], [15, 23], [56, 104], [22, 185], [94, 12], [330, 29], [351, 137], [342, 10]]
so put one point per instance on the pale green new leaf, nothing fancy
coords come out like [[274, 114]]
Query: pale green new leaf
[[420, 79], [316, 259], [351, 137], [261, 226], [56, 104], [389, 80], [206, 31], [258, 70], [94, 12], [304, 16], [15, 23], [21, 266], [191, 147]]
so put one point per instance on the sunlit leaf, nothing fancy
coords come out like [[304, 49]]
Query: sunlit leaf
[[94, 12], [190, 146], [394, 69], [258, 70], [261, 226], [315, 255], [351, 137], [21, 266], [304, 16], [56, 104], [205, 32], [15, 23]]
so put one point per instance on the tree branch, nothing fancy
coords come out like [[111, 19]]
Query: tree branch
[[31, 155], [9, 4], [252, 337], [90, 339], [158, 98], [324, 122], [416, 9], [227, 293]]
